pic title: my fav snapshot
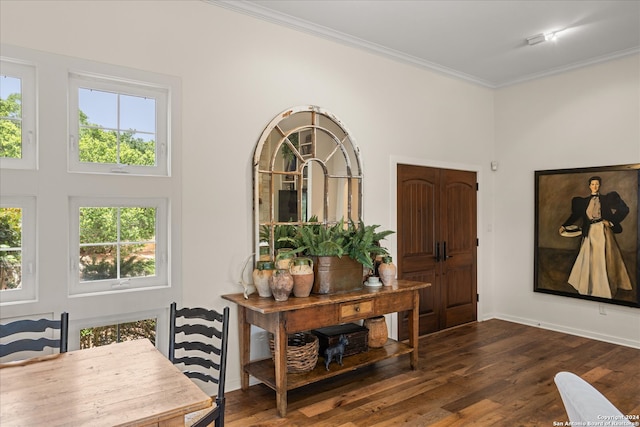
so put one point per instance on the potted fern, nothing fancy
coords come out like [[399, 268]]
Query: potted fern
[[340, 251]]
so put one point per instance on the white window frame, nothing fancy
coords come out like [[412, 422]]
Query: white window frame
[[160, 279], [27, 291], [27, 74], [78, 80]]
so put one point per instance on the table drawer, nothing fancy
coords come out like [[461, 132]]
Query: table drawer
[[356, 310]]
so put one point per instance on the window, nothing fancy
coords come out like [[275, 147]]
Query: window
[[117, 127], [17, 249], [104, 335], [119, 245], [17, 115]]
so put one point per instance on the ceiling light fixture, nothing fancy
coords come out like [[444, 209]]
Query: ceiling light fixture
[[543, 37]]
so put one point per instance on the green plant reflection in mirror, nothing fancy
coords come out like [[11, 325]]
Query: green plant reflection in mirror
[[306, 168]]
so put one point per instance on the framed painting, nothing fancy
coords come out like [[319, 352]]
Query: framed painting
[[587, 233]]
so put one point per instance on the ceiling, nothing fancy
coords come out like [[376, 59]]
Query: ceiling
[[477, 40]]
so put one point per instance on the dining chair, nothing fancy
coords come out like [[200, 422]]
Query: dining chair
[[199, 337], [584, 404], [29, 335]]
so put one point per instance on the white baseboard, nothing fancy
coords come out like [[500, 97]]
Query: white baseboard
[[567, 330]]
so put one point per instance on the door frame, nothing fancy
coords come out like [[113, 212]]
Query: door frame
[[393, 220]]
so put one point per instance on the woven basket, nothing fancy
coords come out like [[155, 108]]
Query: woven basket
[[302, 352]]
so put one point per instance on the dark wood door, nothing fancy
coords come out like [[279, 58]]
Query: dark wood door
[[437, 243]]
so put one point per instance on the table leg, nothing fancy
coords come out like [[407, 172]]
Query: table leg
[[245, 347], [414, 326], [280, 356]]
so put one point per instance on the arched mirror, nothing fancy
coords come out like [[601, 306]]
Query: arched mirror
[[306, 169]]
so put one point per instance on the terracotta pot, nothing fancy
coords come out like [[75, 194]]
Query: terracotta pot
[[302, 272], [261, 277], [284, 259], [281, 284], [387, 271], [378, 333]]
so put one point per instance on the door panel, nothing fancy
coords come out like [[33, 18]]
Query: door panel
[[418, 205], [437, 243], [459, 267]]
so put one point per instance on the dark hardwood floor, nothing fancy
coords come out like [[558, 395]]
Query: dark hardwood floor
[[492, 373]]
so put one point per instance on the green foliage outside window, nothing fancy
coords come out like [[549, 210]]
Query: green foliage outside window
[[101, 146], [10, 248], [11, 127], [103, 335], [98, 226], [111, 252]]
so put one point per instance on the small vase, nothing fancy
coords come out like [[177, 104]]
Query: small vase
[[387, 271], [261, 276], [302, 272], [265, 253], [378, 333], [281, 284], [284, 259]]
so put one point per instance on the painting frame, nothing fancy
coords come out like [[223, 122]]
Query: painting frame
[[577, 254]]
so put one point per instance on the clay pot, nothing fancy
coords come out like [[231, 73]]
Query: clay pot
[[378, 333], [281, 284], [284, 259], [302, 272], [387, 271], [261, 276], [265, 254]]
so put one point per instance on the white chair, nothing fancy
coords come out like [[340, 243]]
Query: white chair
[[584, 404]]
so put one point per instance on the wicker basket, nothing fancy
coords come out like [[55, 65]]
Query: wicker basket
[[302, 352]]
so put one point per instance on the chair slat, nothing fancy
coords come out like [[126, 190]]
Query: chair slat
[[28, 345], [205, 348], [21, 326]]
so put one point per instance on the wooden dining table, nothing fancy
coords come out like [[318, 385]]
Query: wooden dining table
[[125, 384]]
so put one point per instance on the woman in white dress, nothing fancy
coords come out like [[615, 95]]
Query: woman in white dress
[[599, 269]]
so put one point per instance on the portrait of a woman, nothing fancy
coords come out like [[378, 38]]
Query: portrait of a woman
[[599, 269]]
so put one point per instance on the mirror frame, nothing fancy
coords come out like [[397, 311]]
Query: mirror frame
[[345, 145]]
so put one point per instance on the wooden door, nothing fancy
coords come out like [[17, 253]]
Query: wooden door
[[437, 243]]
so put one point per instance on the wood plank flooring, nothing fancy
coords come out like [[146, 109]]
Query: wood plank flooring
[[492, 373]]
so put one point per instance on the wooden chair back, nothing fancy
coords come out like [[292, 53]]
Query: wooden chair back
[[30, 335], [199, 336]]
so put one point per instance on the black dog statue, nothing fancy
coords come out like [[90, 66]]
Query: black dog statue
[[336, 351]]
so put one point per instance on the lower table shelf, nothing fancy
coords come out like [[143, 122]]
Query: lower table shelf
[[264, 370]]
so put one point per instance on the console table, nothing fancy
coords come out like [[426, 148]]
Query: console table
[[317, 311]]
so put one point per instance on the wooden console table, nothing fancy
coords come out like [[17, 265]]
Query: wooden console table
[[317, 311]]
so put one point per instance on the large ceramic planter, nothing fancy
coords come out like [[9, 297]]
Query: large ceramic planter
[[333, 274]]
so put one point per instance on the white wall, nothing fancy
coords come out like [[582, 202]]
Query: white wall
[[239, 72], [588, 117]]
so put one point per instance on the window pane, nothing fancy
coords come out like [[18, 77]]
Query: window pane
[[10, 117], [138, 224], [137, 149], [10, 269], [138, 113], [98, 146], [138, 260], [98, 262], [10, 248], [103, 335], [98, 108], [98, 225]]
